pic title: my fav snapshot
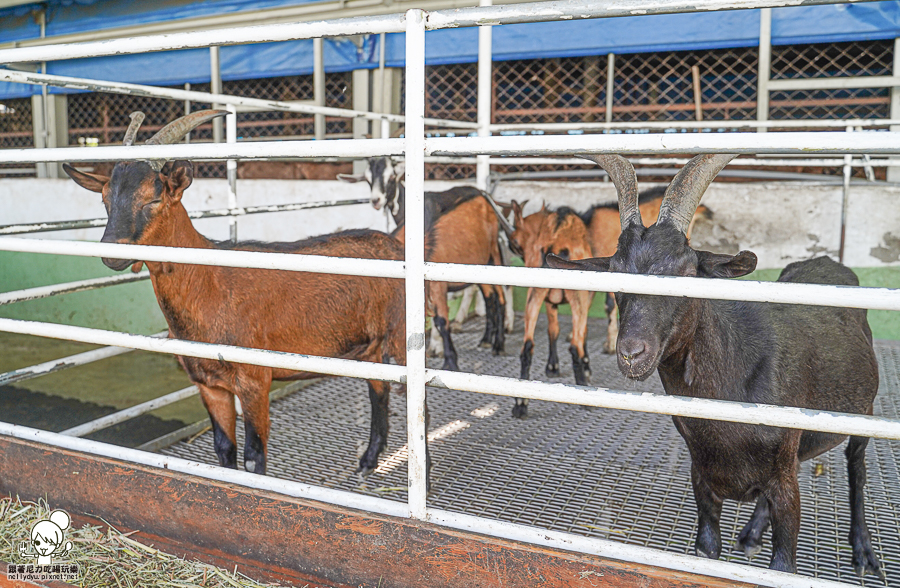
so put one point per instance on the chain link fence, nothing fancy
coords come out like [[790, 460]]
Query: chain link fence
[[15, 133], [656, 86]]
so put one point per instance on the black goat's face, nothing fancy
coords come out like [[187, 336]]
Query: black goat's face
[[651, 326], [383, 176], [136, 200]]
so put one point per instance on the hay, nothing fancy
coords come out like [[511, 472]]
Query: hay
[[110, 558]]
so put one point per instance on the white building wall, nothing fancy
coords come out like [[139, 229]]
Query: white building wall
[[781, 222]]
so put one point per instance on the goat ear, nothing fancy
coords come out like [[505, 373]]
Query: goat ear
[[517, 212], [400, 169], [177, 176], [595, 264], [350, 178], [92, 182], [718, 265]]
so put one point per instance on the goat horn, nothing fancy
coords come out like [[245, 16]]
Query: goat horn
[[178, 128], [137, 117], [685, 191], [623, 176]]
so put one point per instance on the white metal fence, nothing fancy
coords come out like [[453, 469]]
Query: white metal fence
[[416, 146]]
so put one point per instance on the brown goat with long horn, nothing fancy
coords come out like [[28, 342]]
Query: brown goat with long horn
[[312, 314], [783, 354]]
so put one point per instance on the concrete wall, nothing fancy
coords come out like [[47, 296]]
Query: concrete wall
[[780, 222]]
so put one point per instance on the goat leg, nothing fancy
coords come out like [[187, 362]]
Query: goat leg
[[499, 338], [709, 510], [784, 508], [219, 404], [490, 316], [533, 303], [612, 330], [379, 394], [580, 301], [552, 369], [864, 559], [750, 539]]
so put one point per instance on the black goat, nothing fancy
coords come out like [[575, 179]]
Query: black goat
[[782, 354]]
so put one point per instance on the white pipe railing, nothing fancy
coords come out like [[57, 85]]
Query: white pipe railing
[[777, 292], [131, 412], [553, 539], [415, 271], [25, 228], [70, 287], [709, 124], [257, 104]]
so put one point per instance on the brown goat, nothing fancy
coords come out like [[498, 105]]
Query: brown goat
[[603, 225], [349, 317], [461, 226], [563, 233], [474, 241]]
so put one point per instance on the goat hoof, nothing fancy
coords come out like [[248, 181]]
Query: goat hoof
[[552, 371], [365, 470], [520, 411], [485, 344], [750, 550], [450, 366], [498, 351], [866, 562], [609, 349]]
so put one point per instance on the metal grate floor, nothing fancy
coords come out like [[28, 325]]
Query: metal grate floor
[[602, 473]]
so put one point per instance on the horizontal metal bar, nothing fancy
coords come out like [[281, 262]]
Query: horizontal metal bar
[[720, 410], [758, 414], [835, 83], [274, 359], [585, 9], [210, 472], [709, 124], [242, 150], [377, 268], [670, 143], [257, 104], [47, 227], [56, 365], [511, 531], [389, 23], [69, 287], [131, 412], [626, 144], [719, 289], [625, 552], [651, 161]]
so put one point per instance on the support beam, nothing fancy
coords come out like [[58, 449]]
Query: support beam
[[610, 85], [485, 68], [215, 87], [893, 173], [319, 85], [360, 88], [765, 66]]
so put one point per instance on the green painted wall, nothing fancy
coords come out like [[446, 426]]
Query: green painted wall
[[130, 307]]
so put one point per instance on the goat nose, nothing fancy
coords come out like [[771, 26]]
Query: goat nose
[[631, 349]]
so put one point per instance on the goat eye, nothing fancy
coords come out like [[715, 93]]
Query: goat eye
[[151, 203]]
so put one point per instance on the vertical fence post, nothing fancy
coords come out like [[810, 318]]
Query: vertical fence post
[[765, 66], [845, 199], [485, 66], [610, 85], [415, 258], [215, 87], [231, 137], [893, 173], [319, 85]]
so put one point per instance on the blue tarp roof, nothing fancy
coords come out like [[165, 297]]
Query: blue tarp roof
[[738, 28]]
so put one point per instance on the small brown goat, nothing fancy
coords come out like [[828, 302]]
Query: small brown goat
[[312, 314], [602, 221], [461, 226], [563, 233]]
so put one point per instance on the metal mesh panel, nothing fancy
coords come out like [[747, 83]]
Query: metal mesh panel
[[659, 86], [617, 475], [15, 132], [99, 118]]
